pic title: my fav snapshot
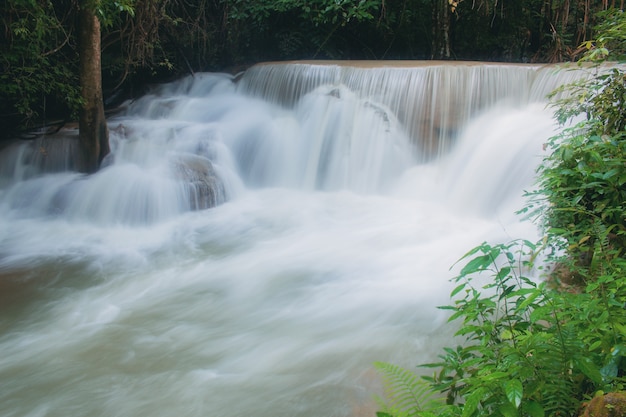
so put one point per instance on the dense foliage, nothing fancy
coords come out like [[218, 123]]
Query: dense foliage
[[582, 182], [540, 348], [529, 350], [37, 65], [151, 40]]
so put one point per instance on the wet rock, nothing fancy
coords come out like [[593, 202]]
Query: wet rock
[[24, 159], [201, 186]]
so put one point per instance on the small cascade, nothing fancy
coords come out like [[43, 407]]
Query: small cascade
[[432, 100], [31, 158], [350, 142], [496, 159], [331, 140]]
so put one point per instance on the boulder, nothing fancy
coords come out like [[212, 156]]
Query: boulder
[[200, 184], [612, 404]]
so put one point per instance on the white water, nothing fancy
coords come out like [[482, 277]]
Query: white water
[[332, 251]]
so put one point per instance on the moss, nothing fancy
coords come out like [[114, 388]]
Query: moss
[[612, 404]]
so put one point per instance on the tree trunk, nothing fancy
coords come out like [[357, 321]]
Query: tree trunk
[[93, 131], [441, 30]]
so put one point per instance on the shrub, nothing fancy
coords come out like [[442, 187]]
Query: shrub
[[528, 350]]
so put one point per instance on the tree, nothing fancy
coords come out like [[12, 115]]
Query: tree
[[441, 30], [41, 42], [292, 29], [93, 131]]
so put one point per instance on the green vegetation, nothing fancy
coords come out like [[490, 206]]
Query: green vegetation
[[536, 348], [529, 350], [37, 71]]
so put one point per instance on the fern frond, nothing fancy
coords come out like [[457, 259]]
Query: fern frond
[[561, 385], [407, 394]]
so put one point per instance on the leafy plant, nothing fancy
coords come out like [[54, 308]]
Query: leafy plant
[[611, 40], [519, 356], [528, 349], [408, 395], [582, 183]]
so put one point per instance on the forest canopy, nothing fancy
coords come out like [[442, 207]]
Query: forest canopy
[[154, 40]]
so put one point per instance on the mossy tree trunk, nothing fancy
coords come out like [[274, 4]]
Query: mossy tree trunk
[[93, 131]]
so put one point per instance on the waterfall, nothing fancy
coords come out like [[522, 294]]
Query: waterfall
[[253, 243], [433, 100]]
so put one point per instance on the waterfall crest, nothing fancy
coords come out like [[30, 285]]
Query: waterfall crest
[[432, 100]]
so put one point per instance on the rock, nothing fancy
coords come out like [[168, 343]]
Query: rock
[[25, 159], [200, 183], [612, 404]]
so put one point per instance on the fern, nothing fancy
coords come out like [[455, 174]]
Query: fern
[[558, 359], [407, 394]]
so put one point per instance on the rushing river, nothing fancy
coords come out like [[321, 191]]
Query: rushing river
[[347, 196]]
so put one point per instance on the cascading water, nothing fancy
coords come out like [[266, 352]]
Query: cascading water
[[343, 194]]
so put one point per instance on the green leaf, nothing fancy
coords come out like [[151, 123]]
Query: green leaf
[[514, 391], [468, 329], [534, 409], [495, 375], [508, 410], [456, 315], [507, 291], [595, 345], [609, 371], [477, 264], [541, 313], [472, 401], [532, 297], [503, 273], [457, 290], [589, 369]]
